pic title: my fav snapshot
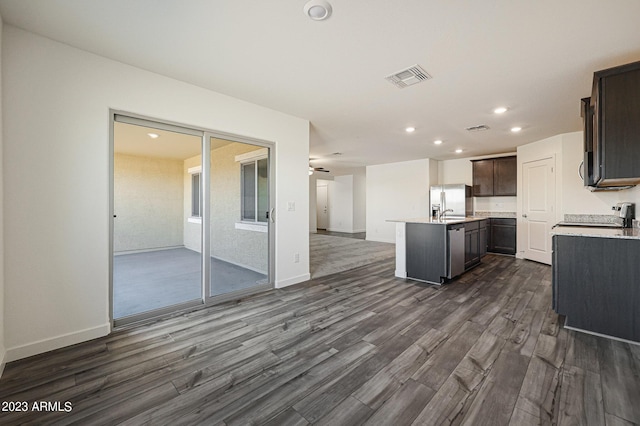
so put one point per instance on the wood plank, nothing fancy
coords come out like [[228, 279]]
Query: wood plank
[[434, 372], [403, 406], [539, 393], [289, 417], [620, 385], [581, 398], [483, 349], [582, 351], [496, 398], [349, 412]]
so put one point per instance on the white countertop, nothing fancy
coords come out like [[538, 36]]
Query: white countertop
[[582, 231], [432, 221]]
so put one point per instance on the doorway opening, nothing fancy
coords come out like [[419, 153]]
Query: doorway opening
[[192, 220]]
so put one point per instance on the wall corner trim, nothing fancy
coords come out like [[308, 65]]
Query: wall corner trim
[[2, 360], [293, 280], [46, 345]]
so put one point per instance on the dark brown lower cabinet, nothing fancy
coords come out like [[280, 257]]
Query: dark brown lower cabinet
[[475, 242], [502, 235], [595, 284]]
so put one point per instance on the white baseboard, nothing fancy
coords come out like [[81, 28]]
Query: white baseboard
[[346, 231], [46, 345], [119, 253], [295, 280]]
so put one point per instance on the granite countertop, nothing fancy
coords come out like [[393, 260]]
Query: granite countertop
[[433, 221], [484, 214], [597, 225], [585, 231]]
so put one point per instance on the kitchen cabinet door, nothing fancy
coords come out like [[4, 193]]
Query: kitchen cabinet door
[[471, 248], [482, 239], [504, 176], [617, 128], [426, 246], [502, 235], [495, 177], [595, 284], [483, 178]]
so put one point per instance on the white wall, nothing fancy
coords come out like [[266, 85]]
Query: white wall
[[56, 106], [341, 204], [455, 171], [360, 200], [357, 201], [396, 191], [148, 199], [461, 171], [2, 316], [571, 195], [313, 198], [579, 200]]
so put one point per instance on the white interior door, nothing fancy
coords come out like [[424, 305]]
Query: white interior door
[[322, 207], [538, 208]]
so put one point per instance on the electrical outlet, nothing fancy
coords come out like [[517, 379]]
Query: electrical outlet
[[291, 206], [296, 258]]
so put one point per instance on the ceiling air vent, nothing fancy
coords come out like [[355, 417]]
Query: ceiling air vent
[[408, 77], [479, 128]]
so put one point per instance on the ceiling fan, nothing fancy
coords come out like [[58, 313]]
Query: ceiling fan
[[317, 169]]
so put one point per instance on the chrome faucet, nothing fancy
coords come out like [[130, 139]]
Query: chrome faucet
[[444, 213]]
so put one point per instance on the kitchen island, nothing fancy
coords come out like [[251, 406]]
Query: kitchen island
[[435, 250], [596, 272]]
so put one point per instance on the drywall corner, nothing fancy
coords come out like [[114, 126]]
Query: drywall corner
[[2, 321]]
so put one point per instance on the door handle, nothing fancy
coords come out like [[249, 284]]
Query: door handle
[[524, 215], [271, 216]]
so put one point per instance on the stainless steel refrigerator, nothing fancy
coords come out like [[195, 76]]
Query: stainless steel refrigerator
[[456, 197]]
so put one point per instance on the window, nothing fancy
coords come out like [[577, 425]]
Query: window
[[255, 188], [196, 202], [196, 194]]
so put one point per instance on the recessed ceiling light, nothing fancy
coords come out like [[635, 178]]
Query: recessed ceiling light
[[153, 135], [458, 151], [500, 110], [410, 129], [318, 10], [516, 129], [438, 142]]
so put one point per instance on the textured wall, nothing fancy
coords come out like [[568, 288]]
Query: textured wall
[[241, 247], [148, 198]]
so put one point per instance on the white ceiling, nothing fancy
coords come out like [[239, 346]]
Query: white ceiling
[[131, 139], [535, 57]]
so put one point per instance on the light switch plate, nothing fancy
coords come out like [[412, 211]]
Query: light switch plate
[[291, 206]]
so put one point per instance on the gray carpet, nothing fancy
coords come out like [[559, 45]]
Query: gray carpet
[[330, 254], [157, 279]]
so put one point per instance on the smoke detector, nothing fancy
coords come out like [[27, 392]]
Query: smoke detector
[[408, 77], [318, 10], [480, 128]]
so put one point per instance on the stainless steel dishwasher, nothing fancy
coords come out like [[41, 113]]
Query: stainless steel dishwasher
[[455, 252]]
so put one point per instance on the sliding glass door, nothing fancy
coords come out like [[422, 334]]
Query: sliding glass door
[[239, 216], [192, 219]]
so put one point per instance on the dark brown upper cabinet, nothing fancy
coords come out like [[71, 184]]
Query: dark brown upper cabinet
[[494, 177], [612, 128]]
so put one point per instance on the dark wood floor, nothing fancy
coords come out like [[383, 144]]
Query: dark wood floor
[[360, 347]]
